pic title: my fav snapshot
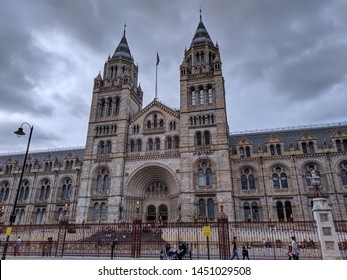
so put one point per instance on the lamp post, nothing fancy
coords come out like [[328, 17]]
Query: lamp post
[[19, 133], [315, 182]]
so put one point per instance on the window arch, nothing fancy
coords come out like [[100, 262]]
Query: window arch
[[169, 142], [247, 211], [99, 211], [193, 97], [204, 174], [102, 181], [202, 96], [202, 207], [304, 148], [139, 145], [151, 213], [24, 190], [198, 138], [343, 167], [279, 178], [255, 211], [247, 179], [157, 143], [66, 189], [117, 106], [210, 95], [150, 144], [4, 191], [45, 190], [206, 208], [280, 211], [207, 137]]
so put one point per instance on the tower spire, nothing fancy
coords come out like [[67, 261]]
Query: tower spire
[[200, 15], [125, 26]]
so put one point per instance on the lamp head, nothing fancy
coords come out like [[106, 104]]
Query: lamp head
[[19, 132]]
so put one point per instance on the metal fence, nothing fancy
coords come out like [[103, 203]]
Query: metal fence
[[207, 239]]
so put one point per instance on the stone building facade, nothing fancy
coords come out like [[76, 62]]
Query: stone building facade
[[176, 164]]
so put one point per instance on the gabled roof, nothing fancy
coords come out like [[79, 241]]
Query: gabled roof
[[159, 105]]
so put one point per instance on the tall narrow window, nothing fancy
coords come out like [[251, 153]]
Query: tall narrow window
[[157, 143], [278, 149], [201, 178], [117, 105], [344, 143], [338, 145], [177, 142], [150, 144], [251, 182], [280, 211], [198, 138], [247, 211], [304, 148], [244, 184], [272, 150], [210, 209], [255, 212], [202, 208], [155, 121], [284, 182], [193, 97], [210, 96], [311, 148], [248, 152], [288, 209], [169, 142], [242, 152], [208, 177], [275, 181], [202, 97], [139, 145], [344, 177], [207, 137]]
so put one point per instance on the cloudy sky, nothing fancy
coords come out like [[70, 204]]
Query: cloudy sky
[[284, 61]]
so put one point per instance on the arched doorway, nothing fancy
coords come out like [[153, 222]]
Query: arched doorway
[[163, 212]]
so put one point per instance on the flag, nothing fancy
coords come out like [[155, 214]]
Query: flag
[[157, 59]]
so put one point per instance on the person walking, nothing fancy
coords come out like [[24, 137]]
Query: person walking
[[235, 252], [295, 249], [17, 246], [245, 252]]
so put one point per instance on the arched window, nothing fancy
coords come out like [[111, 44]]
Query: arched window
[[201, 178], [275, 181], [311, 147], [272, 150], [338, 145], [96, 210], [308, 178], [304, 148], [150, 144], [207, 137], [255, 211], [109, 107], [157, 143], [288, 209], [344, 177], [102, 108], [177, 142], [210, 96], [247, 211], [109, 147], [151, 213], [66, 189], [208, 177], [117, 106], [103, 212], [244, 184], [139, 145], [210, 209], [163, 212], [251, 182], [279, 178], [242, 152], [193, 96], [155, 120], [284, 182], [248, 152], [169, 142], [102, 181], [202, 208], [280, 211], [278, 149], [132, 145], [198, 138], [344, 143], [202, 97], [161, 123], [149, 124]]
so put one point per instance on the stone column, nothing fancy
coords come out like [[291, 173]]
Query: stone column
[[326, 231]]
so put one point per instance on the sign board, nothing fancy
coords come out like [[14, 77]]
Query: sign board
[[8, 230], [206, 230]]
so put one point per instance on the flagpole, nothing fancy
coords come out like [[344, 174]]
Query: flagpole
[[156, 77]]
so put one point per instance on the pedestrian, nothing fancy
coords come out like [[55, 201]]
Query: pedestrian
[[235, 252], [295, 248], [182, 249], [17, 246], [289, 253], [245, 252]]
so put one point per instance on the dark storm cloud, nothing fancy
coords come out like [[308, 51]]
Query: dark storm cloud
[[281, 59]]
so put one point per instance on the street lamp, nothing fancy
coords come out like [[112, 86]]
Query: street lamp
[[19, 133], [315, 182]]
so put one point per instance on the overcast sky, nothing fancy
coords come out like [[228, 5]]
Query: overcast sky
[[284, 61]]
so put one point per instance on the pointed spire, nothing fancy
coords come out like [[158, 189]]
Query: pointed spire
[[123, 51], [201, 35]]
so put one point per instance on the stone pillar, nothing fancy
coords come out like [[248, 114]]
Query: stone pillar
[[326, 230]]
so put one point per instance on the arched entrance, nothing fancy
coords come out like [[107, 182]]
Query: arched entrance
[[155, 187]]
